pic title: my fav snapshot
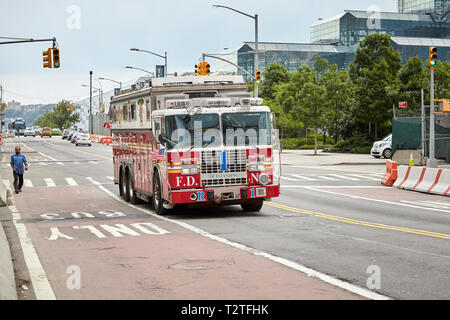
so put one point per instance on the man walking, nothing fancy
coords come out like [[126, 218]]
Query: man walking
[[18, 163]]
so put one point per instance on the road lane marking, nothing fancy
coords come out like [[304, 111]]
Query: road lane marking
[[60, 163], [71, 182], [317, 188], [359, 222], [365, 177], [343, 177], [49, 182], [290, 264], [27, 183], [41, 285], [7, 184], [303, 177], [327, 178], [290, 179], [329, 186], [110, 178]]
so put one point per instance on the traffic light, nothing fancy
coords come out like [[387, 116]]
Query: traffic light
[[47, 58], [199, 69], [69, 107], [3, 106], [258, 77], [206, 69], [433, 57], [56, 63]]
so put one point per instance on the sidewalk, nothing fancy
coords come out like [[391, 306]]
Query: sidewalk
[[307, 158]]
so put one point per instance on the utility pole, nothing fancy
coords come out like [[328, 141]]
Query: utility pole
[[424, 131], [90, 102], [1, 109], [432, 162]]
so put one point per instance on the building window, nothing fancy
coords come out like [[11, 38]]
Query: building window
[[133, 112], [125, 112]]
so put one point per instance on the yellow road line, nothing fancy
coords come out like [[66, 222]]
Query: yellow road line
[[88, 153], [358, 222]]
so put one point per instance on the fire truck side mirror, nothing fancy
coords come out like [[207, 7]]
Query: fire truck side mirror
[[162, 138]]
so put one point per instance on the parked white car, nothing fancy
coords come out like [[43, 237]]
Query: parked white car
[[382, 148], [29, 133]]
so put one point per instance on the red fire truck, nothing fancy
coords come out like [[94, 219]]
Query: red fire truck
[[195, 141]]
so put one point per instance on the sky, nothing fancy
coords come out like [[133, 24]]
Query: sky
[[97, 35]]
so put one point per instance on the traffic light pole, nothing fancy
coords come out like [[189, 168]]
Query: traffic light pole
[[432, 162], [90, 102], [233, 64], [29, 40], [256, 55]]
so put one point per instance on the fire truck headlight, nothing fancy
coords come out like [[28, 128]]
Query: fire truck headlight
[[189, 170], [263, 179]]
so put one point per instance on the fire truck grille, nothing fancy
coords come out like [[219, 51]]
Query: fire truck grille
[[236, 161], [225, 182]]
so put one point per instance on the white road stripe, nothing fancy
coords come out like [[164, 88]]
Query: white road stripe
[[110, 178], [343, 177], [7, 183], [49, 182], [286, 178], [327, 178], [42, 163], [76, 162], [303, 177], [60, 163], [93, 162], [293, 265], [41, 285], [71, 182], [365, 177], [27, 183]]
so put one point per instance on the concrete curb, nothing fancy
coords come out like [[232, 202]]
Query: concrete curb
[[7, 279]]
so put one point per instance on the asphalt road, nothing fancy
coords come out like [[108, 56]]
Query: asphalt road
[[336, 220]]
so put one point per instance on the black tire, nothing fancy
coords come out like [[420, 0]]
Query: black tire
[[131, 193], [387, 153], [253, 206], [122, 184], [157, 199]]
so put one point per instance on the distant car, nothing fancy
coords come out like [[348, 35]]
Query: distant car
[[37, 130], [382, 148], [46, 132], [65, 134], [29, 133], [83, 139], [74, 137]]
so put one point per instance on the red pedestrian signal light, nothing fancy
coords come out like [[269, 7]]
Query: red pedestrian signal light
[[47, 58], [433, 57], [56, 63]]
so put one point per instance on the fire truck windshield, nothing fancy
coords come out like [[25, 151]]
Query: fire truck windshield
[[183, 131], [246, 128]]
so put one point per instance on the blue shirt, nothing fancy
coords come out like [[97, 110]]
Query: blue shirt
[[18, 161]]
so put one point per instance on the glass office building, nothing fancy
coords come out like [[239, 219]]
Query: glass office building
[[440, 7], [351, 27]]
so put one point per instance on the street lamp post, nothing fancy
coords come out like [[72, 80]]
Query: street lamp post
[[256, 60], [155, 54], [118, 82], [149, 72]]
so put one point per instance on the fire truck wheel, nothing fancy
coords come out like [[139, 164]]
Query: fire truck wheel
[[131, 194], [254, 205], [122, 184], [157, 199]]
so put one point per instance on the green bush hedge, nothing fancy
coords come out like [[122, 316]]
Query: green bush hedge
[[302, 143]]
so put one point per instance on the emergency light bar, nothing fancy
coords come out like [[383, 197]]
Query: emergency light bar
[[251, 101], [178, 103], [218, 102]]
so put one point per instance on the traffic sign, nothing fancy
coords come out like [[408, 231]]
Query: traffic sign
[[403, 104]]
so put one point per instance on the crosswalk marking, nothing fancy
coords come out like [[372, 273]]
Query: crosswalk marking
[[42, 163], [286, 178], [110, 178], [60, 163], [327, 178], [93, 162], [343, 177], [71, 182], [303, 177], [7, 183], [27, 183], [49, 182], [365, 177]]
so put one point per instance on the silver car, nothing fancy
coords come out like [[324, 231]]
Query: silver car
[[83, 139]]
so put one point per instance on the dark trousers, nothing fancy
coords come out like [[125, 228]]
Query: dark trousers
[[18, 181]]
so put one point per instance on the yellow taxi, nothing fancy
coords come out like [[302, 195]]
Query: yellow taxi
[[46, 132]]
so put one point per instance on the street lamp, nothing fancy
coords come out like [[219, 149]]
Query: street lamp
[[155, 54], [152, 73], [118, 82], [255, 17]]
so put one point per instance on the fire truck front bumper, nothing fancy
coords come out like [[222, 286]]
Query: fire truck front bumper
[[224, 195]]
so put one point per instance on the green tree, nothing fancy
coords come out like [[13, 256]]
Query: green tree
[[274, 74], [374, 71], [61, 117]]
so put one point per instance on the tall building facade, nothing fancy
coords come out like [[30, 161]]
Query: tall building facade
[[440, 7]]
